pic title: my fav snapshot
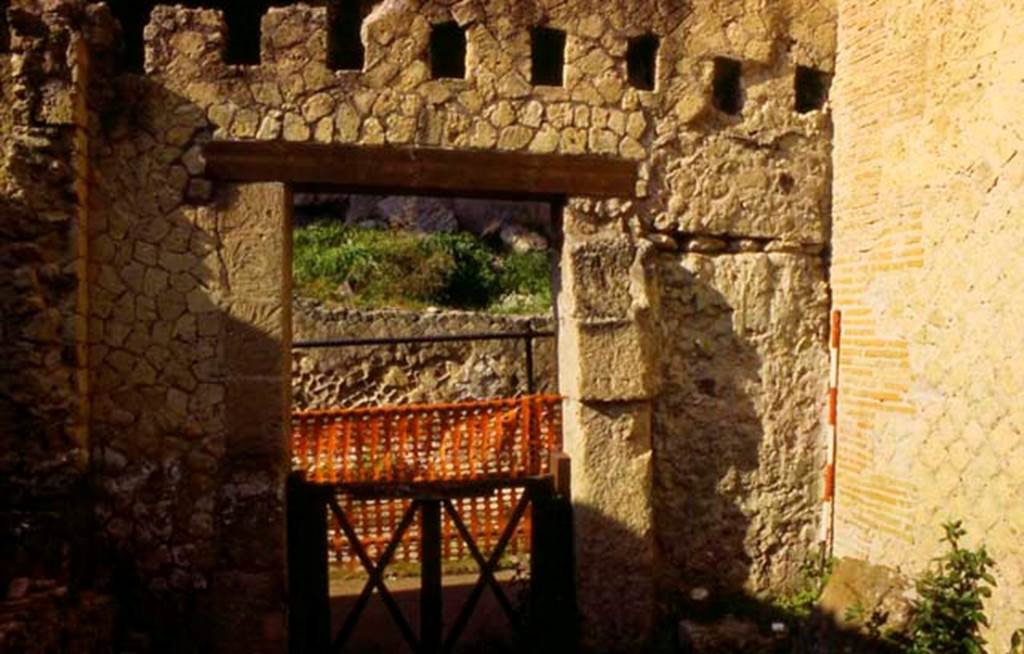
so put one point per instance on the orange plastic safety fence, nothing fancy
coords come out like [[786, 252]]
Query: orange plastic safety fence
[[488, 439], [492, 439], [375, 520]]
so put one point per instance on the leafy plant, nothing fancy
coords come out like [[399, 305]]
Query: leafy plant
[[814, 574], [527, 272], [949, 612], [331, 260], [473, 280], [526, 283]]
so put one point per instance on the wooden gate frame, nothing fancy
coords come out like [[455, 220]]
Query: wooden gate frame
[[552, 622]]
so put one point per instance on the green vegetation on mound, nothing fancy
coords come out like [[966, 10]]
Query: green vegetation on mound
[[387, 268]]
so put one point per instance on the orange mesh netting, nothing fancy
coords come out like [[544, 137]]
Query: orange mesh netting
[[466, 441], [375, 520], [485, 439]]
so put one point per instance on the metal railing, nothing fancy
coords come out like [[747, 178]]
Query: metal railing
[[528, 336]]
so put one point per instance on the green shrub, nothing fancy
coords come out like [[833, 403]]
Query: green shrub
[[526, 282], [527, 272], [376, 268], [472, 282], [368, 266], [949, 612]]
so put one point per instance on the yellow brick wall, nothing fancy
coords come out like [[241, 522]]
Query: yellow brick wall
[[928, 270]]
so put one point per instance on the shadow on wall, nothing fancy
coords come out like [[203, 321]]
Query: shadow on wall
[[744, 625], [735, 446], [43, 507], [188, 378], [192, 534], [707, 439], [45, 512]]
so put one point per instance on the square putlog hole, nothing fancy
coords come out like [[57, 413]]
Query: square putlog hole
[[132, 16], [5, 28], [547, 51], [810, 89], [642, 62], [345, 50], [727, 89], [447, 51], [243, 33]]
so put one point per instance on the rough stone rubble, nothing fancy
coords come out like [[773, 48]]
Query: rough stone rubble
[[413, 374]]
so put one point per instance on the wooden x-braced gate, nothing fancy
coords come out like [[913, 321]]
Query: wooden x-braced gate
[[426, 460], [546, 625]]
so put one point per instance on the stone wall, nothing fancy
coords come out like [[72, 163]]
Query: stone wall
[[928, 235], [46, 527], [6, 119], [44, 514], [413, 373], [737, 423], [188, 291], [40, 617], [191, 390], [42, 247]]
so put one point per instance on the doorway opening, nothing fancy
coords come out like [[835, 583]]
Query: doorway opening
[[322, 457], [424, 355]]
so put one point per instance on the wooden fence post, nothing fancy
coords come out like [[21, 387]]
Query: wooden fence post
[[431, 590], [309, 612], [553, 617]]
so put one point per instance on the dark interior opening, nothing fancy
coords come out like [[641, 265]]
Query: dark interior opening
[[448, 51], [345, 49], [133, 16], [547, 49], [243, 27], [642, 61], [727, 92], [5, 29], [786, 183], [811, 87]]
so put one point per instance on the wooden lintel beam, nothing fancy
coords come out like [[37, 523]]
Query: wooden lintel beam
[[421, 170]]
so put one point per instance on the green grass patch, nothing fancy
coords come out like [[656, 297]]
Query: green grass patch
[[386, 268]]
